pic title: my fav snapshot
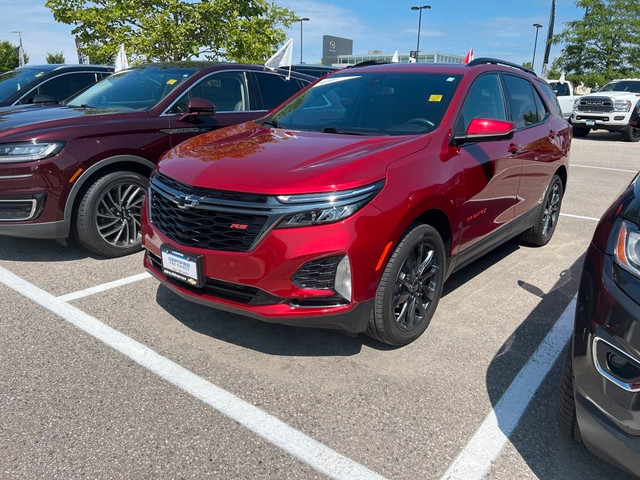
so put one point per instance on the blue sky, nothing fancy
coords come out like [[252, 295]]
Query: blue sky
[[495, 28]]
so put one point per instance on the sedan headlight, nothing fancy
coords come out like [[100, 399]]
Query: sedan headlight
[[322, 208], [28, 151], [622, 105], [627, 249]]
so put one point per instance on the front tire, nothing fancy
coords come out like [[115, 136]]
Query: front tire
[[410, 287], [567, 419], [579, 132], [547, 218], [631, 134], [108, 215]]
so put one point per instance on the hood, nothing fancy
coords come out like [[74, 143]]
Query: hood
[[13, 118], [252, 158], [615, 95]]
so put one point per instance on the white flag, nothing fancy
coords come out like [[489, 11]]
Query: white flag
[[282, 58], [394, 59], [562, 79], [121, 60]]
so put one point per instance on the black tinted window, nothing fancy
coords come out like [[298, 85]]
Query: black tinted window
[[275, 89], [484, 100], [371, 104], [63, 86], [552, 100], [226, 90], [522, 102]]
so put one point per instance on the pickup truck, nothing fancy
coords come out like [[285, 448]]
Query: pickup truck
[[564, 93], [614, 107]]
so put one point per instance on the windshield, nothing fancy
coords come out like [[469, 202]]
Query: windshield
[[622, 86], [16, 80], [137, 89], [376, 103]]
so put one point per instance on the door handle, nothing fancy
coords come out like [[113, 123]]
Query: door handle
[[513, 149]]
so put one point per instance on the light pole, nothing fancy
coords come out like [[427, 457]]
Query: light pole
[[305, 19], [20, 49], [535, 44], [423, 7]]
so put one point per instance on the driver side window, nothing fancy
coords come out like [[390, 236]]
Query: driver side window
[[226, 90], [484, 100]]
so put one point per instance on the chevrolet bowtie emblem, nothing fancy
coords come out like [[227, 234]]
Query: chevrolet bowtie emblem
[[186, 201]]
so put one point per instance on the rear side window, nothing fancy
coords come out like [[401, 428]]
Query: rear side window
[[275, 89], [484, 100], [552, 100], [62, 87], [523, 104]]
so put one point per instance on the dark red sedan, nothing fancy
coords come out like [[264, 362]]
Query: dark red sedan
[[349, 205], [83, 168]]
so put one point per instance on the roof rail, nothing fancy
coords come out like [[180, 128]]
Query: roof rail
[[368, 63], [495, 61]]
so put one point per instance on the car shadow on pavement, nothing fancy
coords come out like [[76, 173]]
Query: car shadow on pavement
[[276, 339], [269, 338], [537, 438], [601, 136], [36, 250]]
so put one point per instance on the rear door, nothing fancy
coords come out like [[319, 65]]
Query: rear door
[[537, 141]]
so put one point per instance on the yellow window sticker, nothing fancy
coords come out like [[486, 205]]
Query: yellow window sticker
[[39, 74], [171, 81], [435, 98]]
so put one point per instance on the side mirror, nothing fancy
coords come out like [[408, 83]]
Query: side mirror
[[485, 130], [43, 99], [199, 106]]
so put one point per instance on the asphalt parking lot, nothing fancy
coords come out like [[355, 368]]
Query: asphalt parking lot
[[127, 380]]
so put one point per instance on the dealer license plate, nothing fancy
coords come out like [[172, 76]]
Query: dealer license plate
[[182, 266], [590, 123]]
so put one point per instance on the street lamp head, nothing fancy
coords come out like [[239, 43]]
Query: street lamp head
[[427, 7], [305, 19], [537, 25]]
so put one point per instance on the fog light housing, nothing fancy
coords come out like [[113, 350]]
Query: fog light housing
[[616, 366], [343, 278]]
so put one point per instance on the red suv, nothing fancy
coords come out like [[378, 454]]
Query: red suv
[[349, 206], [82, 169]]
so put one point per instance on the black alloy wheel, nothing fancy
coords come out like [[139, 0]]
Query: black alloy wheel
[[547, 219], [410, 287], [108, 217], [631, 134]]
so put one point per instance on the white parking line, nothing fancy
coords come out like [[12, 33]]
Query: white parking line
[[603, 168], [105, 286], [594, 219], [273, 430], [484, 447]]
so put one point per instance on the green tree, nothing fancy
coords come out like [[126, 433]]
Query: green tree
[[606, 40], [527, 65], [55, 57], [9, 56], [174, 30]]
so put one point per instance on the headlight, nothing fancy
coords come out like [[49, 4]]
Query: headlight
[[622, 105], [627, 249], [28, 151], [576, 102], [321, 208]]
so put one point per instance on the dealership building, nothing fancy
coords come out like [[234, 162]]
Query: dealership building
[[338, 52]]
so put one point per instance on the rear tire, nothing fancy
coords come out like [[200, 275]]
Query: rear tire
[[547, 219], [108, 216], [410, 287], [567, 419], [631, 134], [580, 132]]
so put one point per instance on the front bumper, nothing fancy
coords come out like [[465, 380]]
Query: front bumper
[[258, 283], [612, 121], [608, 415]]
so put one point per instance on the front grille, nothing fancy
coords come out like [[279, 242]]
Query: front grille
[[225, 290], [216, 221], [317, 274], [595, 104]]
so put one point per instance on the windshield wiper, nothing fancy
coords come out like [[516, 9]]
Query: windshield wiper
[[270, 123], [334, 129]]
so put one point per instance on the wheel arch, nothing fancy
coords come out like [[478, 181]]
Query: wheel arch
[[562, 173], [107, 165]]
